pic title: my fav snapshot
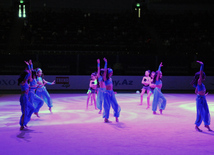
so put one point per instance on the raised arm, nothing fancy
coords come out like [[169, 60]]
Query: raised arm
[[28, 65], [201, 72], [31, 65], [28, 76], [159, 70], [48, 83], [98, 68], [105, 69]]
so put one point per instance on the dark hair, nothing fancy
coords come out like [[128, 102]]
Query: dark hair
[[148, 71], [37, 70], [151, 74], [194, 82], [22, 77], [156, 74], [107, 74], [94, 74]]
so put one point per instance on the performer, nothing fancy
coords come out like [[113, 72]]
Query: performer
[[202, 108], [41, 89], [26, 107], [152, 87], [109, 96], [157, 92], [102, 87], [146, 87], [92, 90], [34, 99]]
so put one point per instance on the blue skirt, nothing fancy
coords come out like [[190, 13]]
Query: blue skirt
[[110, 100], [202, 111], [26, 108], [158, 99], [100, 97], [43, 93], [35, 100]]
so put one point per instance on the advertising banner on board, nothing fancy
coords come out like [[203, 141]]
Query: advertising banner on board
[[64, 82]]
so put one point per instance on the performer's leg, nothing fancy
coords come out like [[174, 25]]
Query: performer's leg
[[38, 104], [115, 106], [141, 96], [198, 113], [106, 106], [89, 95], [94, 99], [155, 100], [162, 105], [149, 93]]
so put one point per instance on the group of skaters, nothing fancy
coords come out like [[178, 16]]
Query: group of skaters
[[34, 93], [153, 84], [101, 84]]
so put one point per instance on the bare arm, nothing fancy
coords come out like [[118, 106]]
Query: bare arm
[[159, 69], [105, 69], [143, 80], [201, 72], [98, 68], [49, 83]]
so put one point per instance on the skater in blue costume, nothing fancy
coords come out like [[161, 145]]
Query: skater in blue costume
[[202, 108], [109, 96], [92, 90], [102, 87], [146, 87], [41, 89], [34, 99], [159, 99], [152, 87], [26, 107]]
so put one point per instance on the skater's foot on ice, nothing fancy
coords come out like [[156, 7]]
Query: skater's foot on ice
[[106, 120], [50, 110], [154, 112], [208, 127], [116, 118], [36, 113], [161, 111], [147, 107], [100, 112], [140, 104], [22, 127], [197, 129]]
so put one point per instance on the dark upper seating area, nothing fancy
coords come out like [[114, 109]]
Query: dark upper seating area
[[163, 35]]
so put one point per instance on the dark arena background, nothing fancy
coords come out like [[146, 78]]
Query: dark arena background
[[65, 38]]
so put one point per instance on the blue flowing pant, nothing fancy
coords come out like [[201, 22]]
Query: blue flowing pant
[[100, 97], [35, 100], [159, 99], [110, 100], [43, 93], [26, 108], [202, 110]]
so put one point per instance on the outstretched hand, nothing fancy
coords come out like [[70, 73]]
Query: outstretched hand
[[98, 61], [30, 62], [200, 62], [161, 64], [53, 82], [26, 62], [105, 59]]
